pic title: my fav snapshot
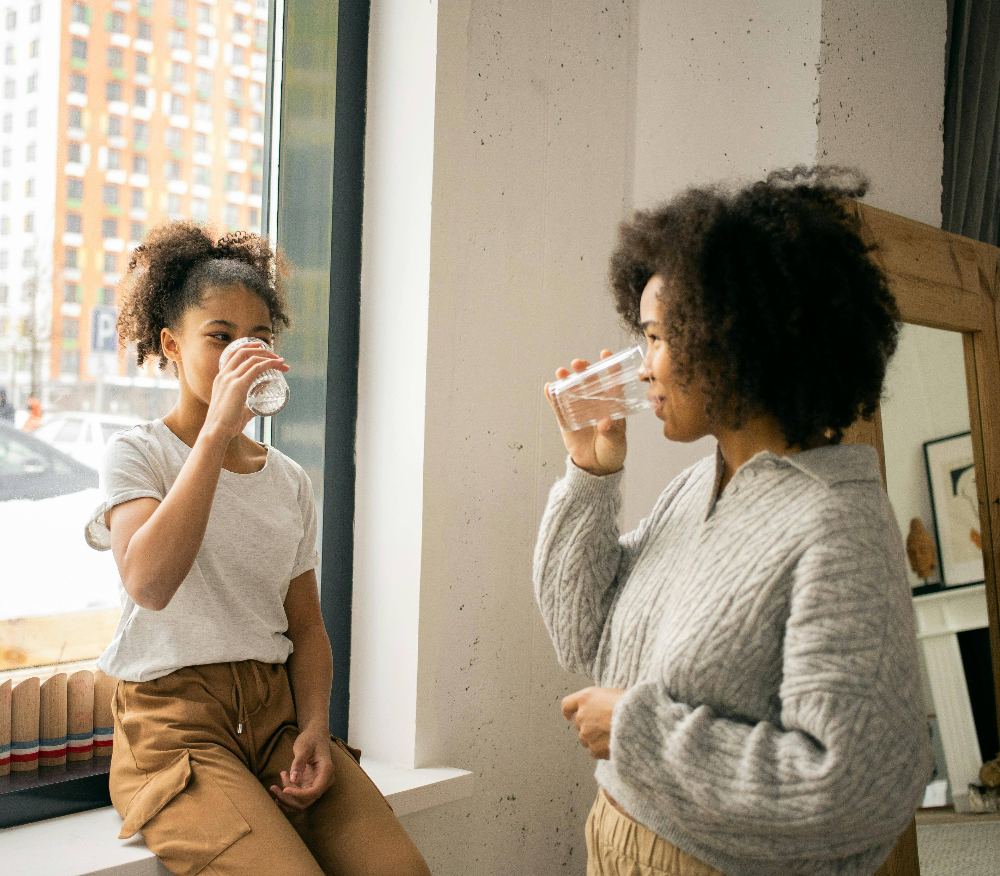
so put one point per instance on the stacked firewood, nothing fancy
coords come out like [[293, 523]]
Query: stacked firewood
[[61, 719]]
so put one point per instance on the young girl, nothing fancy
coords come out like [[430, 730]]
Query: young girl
[[223, 756]]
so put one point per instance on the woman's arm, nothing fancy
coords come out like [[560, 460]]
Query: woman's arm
[[843, 770], [310, 673], [155, 543], [576, 564], [580, 559]]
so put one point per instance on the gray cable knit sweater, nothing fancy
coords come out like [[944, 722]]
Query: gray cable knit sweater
[[773, 720]]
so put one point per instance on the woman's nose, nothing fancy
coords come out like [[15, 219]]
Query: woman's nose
[[644, 373]]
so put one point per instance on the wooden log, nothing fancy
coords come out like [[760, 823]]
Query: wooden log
[[104, 724], [52, 721], [56, 638], [24, 704], [5, 691], [80, 716]]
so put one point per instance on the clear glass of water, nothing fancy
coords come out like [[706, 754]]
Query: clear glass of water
[[269, 393], [608, 388]]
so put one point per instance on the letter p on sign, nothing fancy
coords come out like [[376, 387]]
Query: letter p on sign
[[103, 334]]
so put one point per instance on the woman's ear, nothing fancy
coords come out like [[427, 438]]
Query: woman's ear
[[169, 345]]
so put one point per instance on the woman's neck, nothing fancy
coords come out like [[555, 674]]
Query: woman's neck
[[756, 435]]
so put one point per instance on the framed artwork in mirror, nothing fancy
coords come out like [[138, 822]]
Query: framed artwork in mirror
[[951, 475]]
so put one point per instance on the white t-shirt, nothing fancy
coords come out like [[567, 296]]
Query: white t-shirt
[[261, 534]]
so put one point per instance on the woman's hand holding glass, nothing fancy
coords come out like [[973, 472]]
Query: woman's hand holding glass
[[600, 449], [228, 413]]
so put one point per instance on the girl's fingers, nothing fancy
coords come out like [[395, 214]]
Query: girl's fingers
[[561, 373], [282, 798], [243, 353], [251, 361], [605, 354], [580, 365]]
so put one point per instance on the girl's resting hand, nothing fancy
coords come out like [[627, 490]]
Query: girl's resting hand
[[310, 774], [598, 449]]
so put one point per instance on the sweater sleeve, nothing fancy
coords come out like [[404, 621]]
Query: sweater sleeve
[[579, 561], [843, 770]]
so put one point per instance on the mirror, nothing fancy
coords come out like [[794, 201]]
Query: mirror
[[931, 479]]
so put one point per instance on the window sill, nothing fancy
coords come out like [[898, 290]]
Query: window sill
[[86, 844]]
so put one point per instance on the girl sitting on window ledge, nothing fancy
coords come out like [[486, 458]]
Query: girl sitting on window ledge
[[223, 756]]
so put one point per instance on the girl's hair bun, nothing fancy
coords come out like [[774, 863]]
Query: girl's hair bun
[[174, 266]]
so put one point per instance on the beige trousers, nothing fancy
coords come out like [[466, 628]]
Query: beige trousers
[[194, 755], [619, 846]]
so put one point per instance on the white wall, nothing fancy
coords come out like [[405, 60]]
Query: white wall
[[926, 399], [399, 150], [551, 120]]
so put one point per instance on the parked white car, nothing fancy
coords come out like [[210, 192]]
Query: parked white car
[[83, 435]]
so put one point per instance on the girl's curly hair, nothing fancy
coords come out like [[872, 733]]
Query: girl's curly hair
[[772, 301], [174, 266]]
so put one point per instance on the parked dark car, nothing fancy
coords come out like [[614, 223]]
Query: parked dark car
[[32, 469]]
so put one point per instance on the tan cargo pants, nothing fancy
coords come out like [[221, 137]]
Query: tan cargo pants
[[195, 753], [620, 846]]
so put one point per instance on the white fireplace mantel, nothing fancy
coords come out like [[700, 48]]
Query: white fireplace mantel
[[940, 618]]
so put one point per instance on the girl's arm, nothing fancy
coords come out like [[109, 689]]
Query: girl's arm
[[310, 672], [310, 666], [155, 543]]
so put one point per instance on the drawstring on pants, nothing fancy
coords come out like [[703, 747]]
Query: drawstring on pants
[[238, 698]]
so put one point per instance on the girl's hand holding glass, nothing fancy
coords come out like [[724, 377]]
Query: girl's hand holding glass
[[598, 449], [228, 411]]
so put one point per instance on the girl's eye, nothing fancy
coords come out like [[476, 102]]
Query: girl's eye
[[221, 337]]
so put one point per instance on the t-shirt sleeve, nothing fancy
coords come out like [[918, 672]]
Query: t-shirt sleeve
[[306, 557], [126, 474]]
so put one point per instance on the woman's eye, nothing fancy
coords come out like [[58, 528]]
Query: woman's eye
[[221, 337]]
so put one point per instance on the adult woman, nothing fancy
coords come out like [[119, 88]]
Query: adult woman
[[223, 756], [757, 707]]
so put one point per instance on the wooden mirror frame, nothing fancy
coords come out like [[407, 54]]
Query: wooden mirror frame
[[944, 281]]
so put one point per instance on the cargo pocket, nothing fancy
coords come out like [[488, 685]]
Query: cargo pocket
[[186, 819]]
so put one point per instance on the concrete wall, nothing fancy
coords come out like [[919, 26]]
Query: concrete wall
[[881, 107], [551, 120], [531, 175]]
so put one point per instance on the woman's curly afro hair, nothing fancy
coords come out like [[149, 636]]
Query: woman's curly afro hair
[[173, 267], [772, 301]]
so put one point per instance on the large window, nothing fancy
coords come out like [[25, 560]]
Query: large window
[[61, 350], [66, 243]]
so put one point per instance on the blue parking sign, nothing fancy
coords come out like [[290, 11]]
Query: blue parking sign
[[103, 333]]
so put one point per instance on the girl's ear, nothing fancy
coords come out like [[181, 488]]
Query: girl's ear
[[169, 345]]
